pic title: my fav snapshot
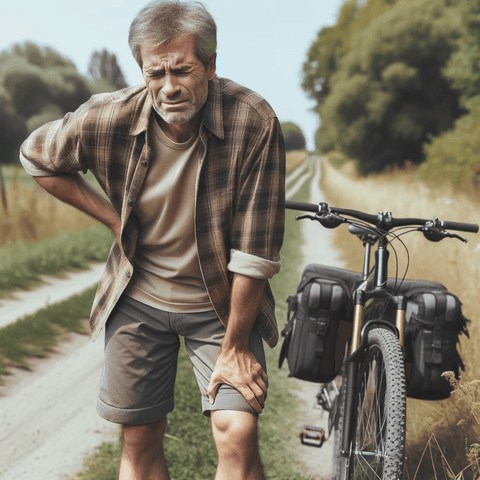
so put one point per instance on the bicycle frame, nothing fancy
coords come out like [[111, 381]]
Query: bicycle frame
[[374, 292]]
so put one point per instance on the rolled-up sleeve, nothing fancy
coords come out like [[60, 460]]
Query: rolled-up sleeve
[[252, 266], [34, 170], [54, 148], [259, 219]]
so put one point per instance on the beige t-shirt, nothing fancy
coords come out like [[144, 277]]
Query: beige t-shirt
[[167, 272]]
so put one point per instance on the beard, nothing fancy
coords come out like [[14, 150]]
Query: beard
[[182, 116]]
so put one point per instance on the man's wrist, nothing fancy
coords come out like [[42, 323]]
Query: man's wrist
[[235, 342]]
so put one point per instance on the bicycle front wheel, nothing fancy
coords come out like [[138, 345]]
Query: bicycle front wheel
[[378, 448]]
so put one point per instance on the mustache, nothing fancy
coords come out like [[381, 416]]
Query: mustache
[[171, 98]]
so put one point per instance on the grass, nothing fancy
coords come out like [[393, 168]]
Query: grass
[[450, 262], [22, 263]]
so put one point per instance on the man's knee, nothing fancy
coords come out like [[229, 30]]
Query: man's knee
[[234, 431], [143, 438]]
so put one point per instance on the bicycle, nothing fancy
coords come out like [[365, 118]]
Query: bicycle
[[368, 415]]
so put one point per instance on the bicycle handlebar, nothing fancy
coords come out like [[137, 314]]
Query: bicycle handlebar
[[374, 219]]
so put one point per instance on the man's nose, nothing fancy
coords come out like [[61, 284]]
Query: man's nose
[[170, 86]]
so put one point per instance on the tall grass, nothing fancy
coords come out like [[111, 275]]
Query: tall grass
[[295, 158], [33, 214], [450, 262]]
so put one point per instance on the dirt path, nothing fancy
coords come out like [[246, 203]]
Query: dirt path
[[316, 248], [48, 423]]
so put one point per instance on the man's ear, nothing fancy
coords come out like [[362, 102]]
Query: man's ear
[[212, 66]]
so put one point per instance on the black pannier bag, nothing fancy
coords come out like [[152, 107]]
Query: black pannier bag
[[434, 323], [311, 335]]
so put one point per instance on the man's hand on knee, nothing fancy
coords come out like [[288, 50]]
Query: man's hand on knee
[[239, 368]]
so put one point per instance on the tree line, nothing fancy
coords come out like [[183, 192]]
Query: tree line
[[397, 81], [38, 85]]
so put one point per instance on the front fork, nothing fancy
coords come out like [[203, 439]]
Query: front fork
[[355, 358]]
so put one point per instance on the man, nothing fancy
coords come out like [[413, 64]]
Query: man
[[193, 167]]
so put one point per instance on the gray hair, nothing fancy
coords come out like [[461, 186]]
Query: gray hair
[[161, 21]]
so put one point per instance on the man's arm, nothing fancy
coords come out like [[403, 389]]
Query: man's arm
[[236, 365], [76, 191]]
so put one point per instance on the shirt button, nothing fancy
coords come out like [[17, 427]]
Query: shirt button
[[145, 163], [130, 202], [128, 274]]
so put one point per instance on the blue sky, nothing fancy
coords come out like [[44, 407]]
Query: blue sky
[[262, 44]]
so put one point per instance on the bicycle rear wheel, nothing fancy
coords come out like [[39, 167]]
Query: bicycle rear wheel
[[377, 450]]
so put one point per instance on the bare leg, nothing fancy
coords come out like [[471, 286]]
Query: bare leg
[[236, 440], [142, 452]]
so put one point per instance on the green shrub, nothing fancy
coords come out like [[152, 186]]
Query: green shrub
[[294, 138], [455, 155]]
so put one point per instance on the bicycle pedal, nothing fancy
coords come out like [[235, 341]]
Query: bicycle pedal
[[312, 436]]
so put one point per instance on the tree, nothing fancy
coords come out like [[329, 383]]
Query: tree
[[40, 78], [388, 97], [294, 138], [37, 85], [103, 65], [333, 43], [455, 155], [463, 67], [12, 133]]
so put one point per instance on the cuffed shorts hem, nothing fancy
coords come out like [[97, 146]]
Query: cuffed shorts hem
[[227, 401], [134, 416]]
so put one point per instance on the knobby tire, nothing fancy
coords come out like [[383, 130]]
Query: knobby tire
[[377, 450]]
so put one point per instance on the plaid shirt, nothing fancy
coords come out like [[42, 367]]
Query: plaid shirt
[[240, 187]]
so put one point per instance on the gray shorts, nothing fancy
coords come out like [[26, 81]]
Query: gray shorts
[[141, 349]]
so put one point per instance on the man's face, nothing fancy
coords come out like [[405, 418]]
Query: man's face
[[177, 80]]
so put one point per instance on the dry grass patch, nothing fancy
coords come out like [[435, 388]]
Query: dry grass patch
[[295, 158], [34, 215]]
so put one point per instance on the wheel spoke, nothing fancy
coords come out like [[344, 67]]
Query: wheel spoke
[[381, 384]]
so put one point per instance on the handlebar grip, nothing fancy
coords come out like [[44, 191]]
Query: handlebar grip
[[303, 206], [459, 226]]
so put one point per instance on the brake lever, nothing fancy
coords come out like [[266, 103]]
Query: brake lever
[[434, 232], [303, 217], [459, 237], [328, 220]]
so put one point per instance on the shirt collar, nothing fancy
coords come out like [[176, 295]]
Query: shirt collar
[[141, 121], [212, 114]]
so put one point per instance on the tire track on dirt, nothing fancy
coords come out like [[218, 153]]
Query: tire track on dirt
[[316, 248]]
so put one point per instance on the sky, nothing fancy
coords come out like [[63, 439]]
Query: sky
[[262, 44]]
